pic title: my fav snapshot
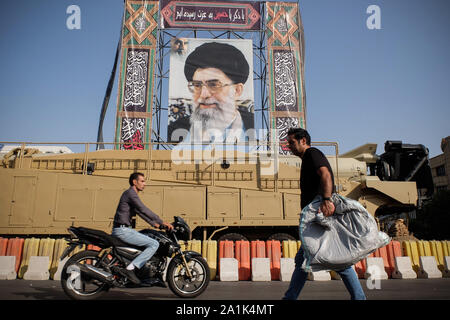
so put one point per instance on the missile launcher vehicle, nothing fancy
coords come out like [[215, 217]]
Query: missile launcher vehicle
[[221, 194]]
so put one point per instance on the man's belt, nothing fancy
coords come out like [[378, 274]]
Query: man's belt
[[117, 225]]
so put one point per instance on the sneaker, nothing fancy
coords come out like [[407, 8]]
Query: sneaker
[[130, 275]]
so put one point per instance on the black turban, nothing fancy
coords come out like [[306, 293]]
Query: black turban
[[221, 56]]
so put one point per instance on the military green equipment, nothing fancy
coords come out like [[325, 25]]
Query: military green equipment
[[219, 193]]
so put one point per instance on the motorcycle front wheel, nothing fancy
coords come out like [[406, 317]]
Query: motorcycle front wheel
[[76, 285], [183, 285]]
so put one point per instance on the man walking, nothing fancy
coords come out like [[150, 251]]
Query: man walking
[[316, 178], [129, 206]]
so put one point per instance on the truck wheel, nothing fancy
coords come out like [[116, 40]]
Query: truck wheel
[[232, 237], [281, 237]]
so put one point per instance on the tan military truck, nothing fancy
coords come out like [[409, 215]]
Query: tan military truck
[[221, 194]]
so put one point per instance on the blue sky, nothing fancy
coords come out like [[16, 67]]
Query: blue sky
[[361, 85]]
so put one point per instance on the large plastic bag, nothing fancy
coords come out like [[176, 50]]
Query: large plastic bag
[[340, 240]]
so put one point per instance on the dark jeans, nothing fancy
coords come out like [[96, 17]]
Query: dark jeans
[[299, 277]]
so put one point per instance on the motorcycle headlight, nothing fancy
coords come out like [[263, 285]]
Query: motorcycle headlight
[[172, 250]]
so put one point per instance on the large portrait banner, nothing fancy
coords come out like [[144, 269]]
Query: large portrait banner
[[210, 91]]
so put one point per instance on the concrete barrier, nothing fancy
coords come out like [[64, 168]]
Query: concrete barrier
[[15, 248], [428, 268], [360, 268], [261, 269], [445, 246], [394, 249], [209, 252], [37, 268], [335, 276], [30, 248], [287, 266], [226, 250], [243, 257], [403, 268], [60, 246], [410, 249], [382, 253], [319, 276], [8, 268], [59, 267], [195, 245], [446, 273], [273, 252], [289, 248], [424, 248], [3, 246], [229, 270], [375, 269], [46, 248], [437, 251], [183, 245], [258, 249]]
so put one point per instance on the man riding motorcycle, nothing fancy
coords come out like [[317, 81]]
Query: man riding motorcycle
[[129, 206]]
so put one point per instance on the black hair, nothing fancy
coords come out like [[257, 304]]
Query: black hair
[[299, 134], [134, 176], [222, 56]]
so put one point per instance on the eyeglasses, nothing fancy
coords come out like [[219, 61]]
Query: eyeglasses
[[212, 85]]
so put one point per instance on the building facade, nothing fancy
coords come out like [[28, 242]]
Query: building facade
[[440, 167]]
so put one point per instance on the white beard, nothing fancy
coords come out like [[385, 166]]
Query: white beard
[[212, 121]]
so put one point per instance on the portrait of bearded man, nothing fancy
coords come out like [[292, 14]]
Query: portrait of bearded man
[[216, 74]]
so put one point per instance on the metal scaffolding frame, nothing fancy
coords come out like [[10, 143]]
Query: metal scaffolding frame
[[162, 69]]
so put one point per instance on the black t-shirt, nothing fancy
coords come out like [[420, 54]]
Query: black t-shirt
[[310, 187]]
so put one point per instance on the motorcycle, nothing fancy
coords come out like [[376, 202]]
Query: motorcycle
[[89, 274]]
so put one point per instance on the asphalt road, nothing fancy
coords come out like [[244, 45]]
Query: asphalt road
[[418, 289]]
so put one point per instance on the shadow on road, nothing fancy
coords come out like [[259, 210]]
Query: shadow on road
[[56, 293]]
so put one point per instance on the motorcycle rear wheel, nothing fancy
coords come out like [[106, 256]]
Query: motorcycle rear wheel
[[80, 287]]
